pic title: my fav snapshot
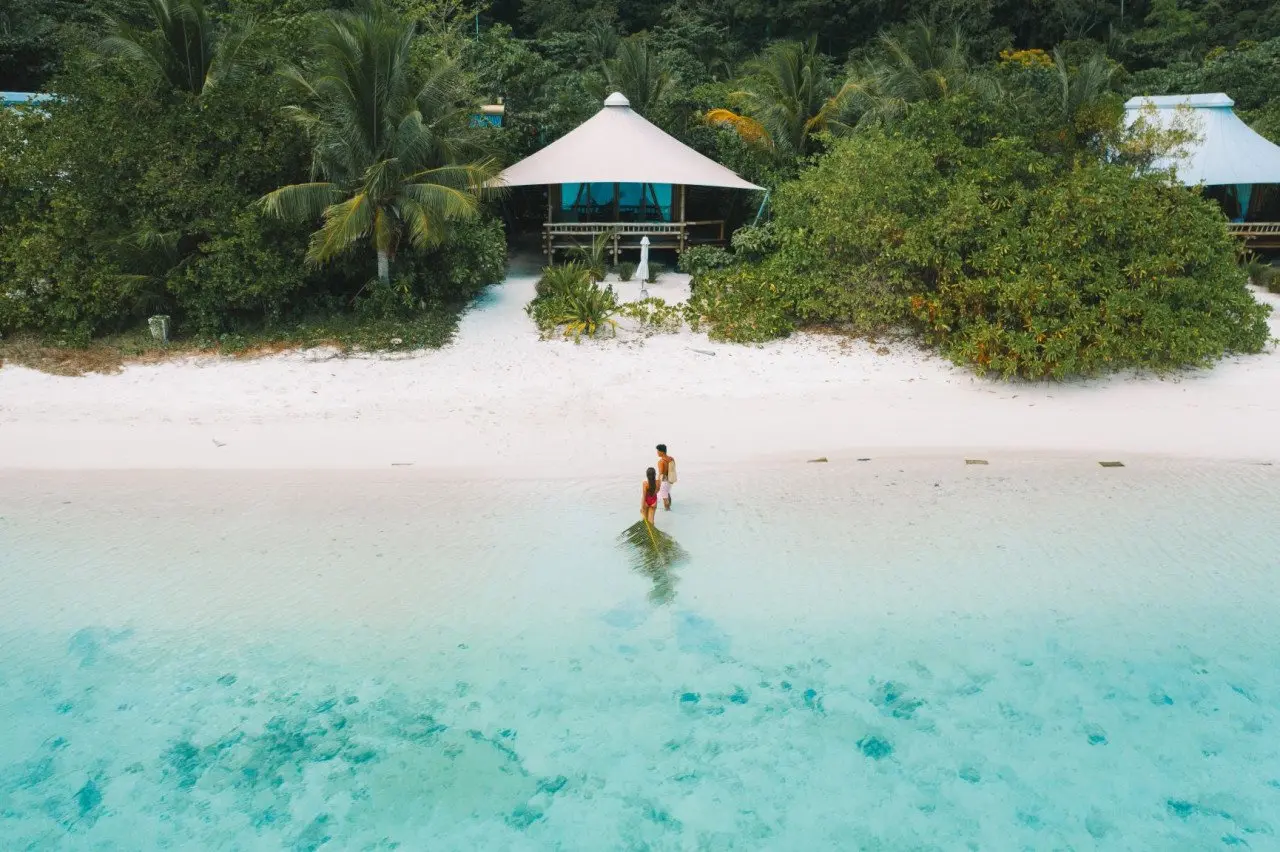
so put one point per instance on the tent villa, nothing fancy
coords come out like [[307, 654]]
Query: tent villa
[[23, 99], [1237, 166], [618, 174]]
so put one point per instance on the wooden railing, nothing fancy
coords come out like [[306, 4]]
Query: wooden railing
[[1257, 234], [627, 235]]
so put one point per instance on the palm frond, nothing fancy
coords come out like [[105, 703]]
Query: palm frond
[[784, 99], [594, 257], [443, 81], [471, 177], [654, 554], [386, 230], [639, 72], [429, 207], [745, 126], [345, 224], [300, 202], [132, 45], [232, 57]]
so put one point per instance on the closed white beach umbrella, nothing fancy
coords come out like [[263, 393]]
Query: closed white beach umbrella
[[642, 271]]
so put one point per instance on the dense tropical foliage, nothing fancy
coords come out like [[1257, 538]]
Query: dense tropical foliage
[[956, 170]]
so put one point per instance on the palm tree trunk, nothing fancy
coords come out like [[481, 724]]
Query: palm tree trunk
[[384, 267]]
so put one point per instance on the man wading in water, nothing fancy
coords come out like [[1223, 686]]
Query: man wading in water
[[666, 476]]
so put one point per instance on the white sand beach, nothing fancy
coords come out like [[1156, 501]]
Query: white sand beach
[[499, 401]]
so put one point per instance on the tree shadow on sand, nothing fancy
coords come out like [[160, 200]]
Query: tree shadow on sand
[[654, 554]]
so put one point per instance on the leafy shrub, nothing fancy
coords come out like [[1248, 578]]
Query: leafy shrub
[[654, 314], [567, 296], [594, 257], [126, 201], [626, 270], [655, 269], [247, 274], [743, 304], [699, 260], [754, 242], [393, 300], [558, 280], [1261, 273], [1007, 258], [473, 257], [587, 310]]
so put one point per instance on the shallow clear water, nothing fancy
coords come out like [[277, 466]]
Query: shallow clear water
[[887, 655]]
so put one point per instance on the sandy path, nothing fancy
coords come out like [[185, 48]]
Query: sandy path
[[500, 400]]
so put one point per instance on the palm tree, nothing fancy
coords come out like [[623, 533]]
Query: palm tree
[[787, 98], [1083, 92], [389, 142], [602, 43], [184, 49], [637, 71], [918, 65]]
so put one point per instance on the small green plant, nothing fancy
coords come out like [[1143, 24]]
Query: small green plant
[[566, 296], [558, 280], [654, 314], [386, 300], [699, 260], [1261, 273], [587, 310], [626, 271], [655, 269], [594, 258]]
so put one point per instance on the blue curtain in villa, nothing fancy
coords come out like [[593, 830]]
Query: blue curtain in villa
[[586, 197], [641, 202], [1244, 192], [645, 202]]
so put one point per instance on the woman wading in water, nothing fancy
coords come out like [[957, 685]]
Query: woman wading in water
[[649, 495]]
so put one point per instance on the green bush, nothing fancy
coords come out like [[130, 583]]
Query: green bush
[[555, 281], [696, 261], [587, 310], [566, 296], [1007, 258], [655, 270], [392, 300], [594, 256], [472, 258], [754, 242], [654, 314], [130, 199], [744, 304], [626, 270], [1261, 273]]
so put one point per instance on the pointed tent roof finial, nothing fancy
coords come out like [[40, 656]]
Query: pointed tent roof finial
[[617, 99]]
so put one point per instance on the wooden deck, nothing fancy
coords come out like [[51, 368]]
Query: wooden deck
[[626, 236], [1259, 235]]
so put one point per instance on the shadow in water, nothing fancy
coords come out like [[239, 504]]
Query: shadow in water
[[654, 554]]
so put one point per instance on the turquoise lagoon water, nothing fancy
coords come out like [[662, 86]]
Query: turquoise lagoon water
[[885, 655]]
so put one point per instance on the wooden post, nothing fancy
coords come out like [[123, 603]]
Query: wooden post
[[684, 227], [552, 190]]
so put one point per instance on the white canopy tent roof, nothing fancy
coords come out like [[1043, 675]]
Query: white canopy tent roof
[[1228, 151], [617, 145]]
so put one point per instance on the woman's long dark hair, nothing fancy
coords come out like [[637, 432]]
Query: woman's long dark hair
[[652, 476]]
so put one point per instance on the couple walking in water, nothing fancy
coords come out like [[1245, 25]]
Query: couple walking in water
[[657, 485]]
